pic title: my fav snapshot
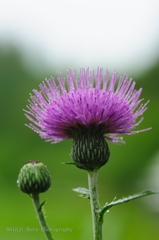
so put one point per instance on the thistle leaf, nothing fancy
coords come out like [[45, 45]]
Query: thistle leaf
[[84, 192], [73, 163], [69, 163], [41, 205], [124, 200]]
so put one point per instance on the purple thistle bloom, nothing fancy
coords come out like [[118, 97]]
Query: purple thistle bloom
[[92, 101]]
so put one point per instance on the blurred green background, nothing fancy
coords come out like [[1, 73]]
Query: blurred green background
[[132, 167]]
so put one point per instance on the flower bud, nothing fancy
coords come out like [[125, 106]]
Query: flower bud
[[34, 178]]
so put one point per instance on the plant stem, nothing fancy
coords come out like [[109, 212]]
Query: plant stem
[[40, 215], [94, 202]]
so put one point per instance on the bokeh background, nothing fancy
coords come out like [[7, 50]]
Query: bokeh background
[[39, 38]]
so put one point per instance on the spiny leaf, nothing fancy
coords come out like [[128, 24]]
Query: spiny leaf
[[84, 192], [73, 163], [41, 205], [69, 163], [125, 199]]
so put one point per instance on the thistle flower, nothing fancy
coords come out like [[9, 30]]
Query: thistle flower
[[89, 107]]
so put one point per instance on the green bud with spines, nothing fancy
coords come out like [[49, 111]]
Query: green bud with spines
[[90, 150], [34, 178]]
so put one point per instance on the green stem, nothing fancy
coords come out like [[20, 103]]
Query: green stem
[[40, 215], [94, 202]]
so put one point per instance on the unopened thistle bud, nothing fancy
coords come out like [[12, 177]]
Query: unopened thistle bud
[[34, 178]]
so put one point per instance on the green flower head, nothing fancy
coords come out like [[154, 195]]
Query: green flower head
[[34, 178]]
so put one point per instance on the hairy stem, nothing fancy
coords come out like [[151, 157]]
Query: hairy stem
[[94, 202], [40, 215]]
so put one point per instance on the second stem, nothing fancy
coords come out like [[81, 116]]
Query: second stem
[[40, 215]]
